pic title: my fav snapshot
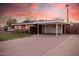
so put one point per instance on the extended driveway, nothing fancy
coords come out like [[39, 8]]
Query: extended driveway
[[40, 45]]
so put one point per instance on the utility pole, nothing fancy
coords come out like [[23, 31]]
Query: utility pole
[[67, 17], [67, 7]]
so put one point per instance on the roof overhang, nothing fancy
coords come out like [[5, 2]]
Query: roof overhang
[[49, 22], [22, 24], [42, 22]]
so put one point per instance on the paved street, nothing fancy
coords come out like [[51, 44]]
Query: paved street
[[41, 45]]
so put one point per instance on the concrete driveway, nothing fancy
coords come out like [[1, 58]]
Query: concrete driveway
[[41, 45]]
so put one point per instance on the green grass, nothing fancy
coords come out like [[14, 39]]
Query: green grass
[[11, 36]]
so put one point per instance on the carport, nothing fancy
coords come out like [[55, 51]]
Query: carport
[[50, 27]]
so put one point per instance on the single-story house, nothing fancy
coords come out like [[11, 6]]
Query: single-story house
[[57, 26], [42, 26]]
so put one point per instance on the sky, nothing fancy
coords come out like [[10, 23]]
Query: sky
[[40, 10]]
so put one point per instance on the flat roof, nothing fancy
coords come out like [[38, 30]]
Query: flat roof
[[49, 22]]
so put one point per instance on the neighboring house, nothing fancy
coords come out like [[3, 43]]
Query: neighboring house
[[3, 23], [2, 27]]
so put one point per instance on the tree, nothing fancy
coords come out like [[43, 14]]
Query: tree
[[10, 22]]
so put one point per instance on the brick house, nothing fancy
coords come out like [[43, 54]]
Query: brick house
[[57, 26]]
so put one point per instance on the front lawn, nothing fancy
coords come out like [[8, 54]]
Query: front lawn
[[9, 36]]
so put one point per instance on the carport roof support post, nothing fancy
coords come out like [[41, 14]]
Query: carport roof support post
[[45, 28], [61, 28], [37, 28], [56, 29]]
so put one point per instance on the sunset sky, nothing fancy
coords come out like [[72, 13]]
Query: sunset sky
[[39, 10]]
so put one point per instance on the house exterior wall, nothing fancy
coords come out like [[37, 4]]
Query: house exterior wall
[[22, 28], [18, 27], [51, 29]]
